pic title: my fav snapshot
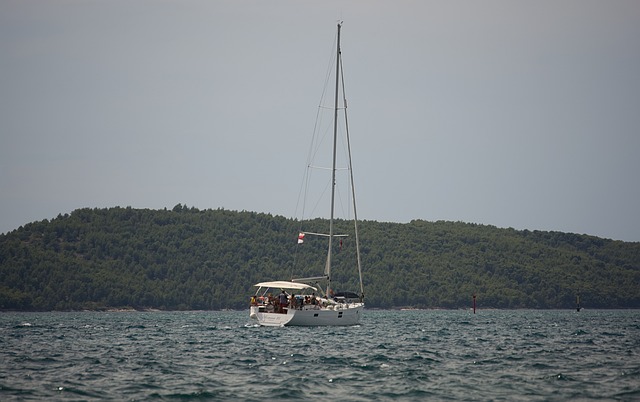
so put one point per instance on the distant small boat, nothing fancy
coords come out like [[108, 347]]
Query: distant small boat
[[295, 302]]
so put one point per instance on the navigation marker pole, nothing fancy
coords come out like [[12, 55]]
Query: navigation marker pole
[[474, 303]]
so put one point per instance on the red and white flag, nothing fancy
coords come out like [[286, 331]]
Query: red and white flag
[[300, 238]]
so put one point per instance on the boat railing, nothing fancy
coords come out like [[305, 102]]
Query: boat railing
[[271, 304]]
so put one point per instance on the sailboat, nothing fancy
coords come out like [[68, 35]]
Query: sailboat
[[304, 301]]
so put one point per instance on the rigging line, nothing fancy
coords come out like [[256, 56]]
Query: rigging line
[[314, 148], [306, 195], [316, 139], [319, 141], [330, 107], [340, 198], [321, 132], [321, 197], [302, 194], [353, 187], [330, 67]]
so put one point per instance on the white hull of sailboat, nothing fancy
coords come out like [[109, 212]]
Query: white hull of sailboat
[[336, 316]]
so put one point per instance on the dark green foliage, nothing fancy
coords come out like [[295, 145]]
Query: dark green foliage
[[185, 258]]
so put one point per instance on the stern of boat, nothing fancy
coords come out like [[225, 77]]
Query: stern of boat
[[270, 319]]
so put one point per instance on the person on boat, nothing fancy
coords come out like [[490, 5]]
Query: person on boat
[[283, 301], [253, 301], [294, 301], [313, 299], [270, 303]]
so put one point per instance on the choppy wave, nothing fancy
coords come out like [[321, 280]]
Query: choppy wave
[[410, 355]]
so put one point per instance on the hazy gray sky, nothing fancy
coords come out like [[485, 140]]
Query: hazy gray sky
[[522, 114]]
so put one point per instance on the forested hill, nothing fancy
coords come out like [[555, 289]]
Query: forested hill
[[190, 259]]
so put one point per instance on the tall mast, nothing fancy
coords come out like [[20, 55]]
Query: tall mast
[[333, 168]]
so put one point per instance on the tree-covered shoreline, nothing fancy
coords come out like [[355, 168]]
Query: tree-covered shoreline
[[190, 259]]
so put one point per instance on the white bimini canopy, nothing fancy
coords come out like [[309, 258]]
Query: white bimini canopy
[[284, 285]]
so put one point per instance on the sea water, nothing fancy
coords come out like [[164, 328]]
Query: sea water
[[399, 355]]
